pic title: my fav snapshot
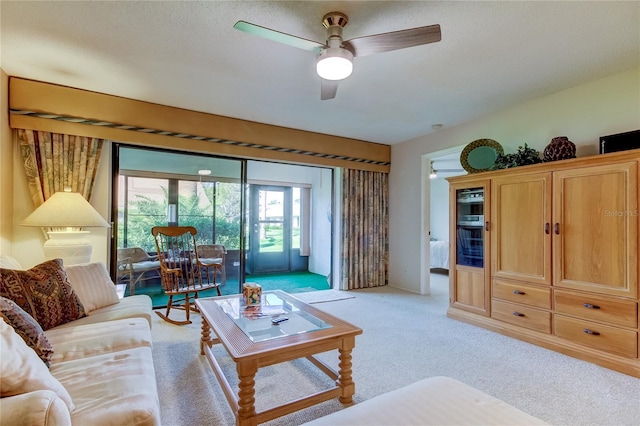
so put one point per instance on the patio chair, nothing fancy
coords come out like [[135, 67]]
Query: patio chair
[[180, 270], [137, 265], [214, 255]]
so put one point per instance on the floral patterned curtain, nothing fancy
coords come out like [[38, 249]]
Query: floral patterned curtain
[[365, 229], [54, 161]]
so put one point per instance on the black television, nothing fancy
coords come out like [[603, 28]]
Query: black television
[[620, 142]]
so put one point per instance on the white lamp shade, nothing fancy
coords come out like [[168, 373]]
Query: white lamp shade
[[65, 209], [334, 64], [68, 211]]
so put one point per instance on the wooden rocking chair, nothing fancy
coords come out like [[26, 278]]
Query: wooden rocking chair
[[180, 269]]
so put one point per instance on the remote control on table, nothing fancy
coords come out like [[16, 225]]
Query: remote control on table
[[277, 321]]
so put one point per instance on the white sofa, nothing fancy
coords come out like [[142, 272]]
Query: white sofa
[[101, 371]]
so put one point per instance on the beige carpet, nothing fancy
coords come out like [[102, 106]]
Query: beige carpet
[[406, 337]]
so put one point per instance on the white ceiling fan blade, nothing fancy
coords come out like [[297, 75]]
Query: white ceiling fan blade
[[328, 89], [385, 42], [279, 37]]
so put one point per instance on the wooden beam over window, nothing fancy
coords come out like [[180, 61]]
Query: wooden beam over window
[[49, 107]]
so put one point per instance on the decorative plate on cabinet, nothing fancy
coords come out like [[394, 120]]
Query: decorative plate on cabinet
[[480, 155]]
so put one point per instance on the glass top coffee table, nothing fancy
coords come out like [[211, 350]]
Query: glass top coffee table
[[282, 328]]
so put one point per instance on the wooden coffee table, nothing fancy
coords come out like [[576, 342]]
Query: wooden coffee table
[[252, 341]]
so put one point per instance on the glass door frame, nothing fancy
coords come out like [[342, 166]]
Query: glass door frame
[[115, 174], [255, 228]]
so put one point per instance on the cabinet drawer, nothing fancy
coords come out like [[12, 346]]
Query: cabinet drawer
[[597, 308], [522, 293], [599, 336], [522, 316]]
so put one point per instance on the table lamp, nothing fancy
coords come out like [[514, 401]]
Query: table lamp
[[66, 214]]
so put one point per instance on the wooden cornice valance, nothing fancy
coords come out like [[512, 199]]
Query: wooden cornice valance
[[49, 107]]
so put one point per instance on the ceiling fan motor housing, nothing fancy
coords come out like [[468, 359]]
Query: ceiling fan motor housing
[[334, 22], [334, 62], [332, 19]]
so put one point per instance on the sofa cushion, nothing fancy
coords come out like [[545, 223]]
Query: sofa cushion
[[27, 328], [116, 388], [44, 292], [93, 285], [94, 339], [41, 407], [21, 370], [138, 306]]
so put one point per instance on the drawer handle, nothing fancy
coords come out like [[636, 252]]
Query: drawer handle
[[590, 306], [591, 332], [517, 314], [518, 292]]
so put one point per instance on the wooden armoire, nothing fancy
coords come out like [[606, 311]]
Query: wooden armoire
[[548, 254]]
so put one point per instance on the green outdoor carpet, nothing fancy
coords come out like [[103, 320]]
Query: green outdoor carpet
[[293, 282]]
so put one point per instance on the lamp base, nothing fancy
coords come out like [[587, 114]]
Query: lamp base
[[72, 247]]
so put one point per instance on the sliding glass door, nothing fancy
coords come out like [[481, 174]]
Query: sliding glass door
[[159, 188], [273, 219]]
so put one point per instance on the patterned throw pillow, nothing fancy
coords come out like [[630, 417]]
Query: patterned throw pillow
[[27, 328], [44, 292]]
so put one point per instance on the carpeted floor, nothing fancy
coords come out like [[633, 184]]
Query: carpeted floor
[[406, 337]]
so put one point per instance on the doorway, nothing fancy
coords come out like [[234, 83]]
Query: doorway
[[270, 227], [437, 166], [279, 228]]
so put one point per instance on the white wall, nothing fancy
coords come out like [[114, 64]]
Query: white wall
[[320, 259], [276, 172], [583, 113], [439, 202], [6, 170]]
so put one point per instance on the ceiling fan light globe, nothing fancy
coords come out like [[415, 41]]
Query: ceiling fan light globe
[[334, 64]]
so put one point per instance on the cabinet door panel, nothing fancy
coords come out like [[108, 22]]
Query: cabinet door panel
[[469, 276], [595, 213], [469, 290], [521, 238]]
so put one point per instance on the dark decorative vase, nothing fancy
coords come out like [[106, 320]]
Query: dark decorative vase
[[559, 148]]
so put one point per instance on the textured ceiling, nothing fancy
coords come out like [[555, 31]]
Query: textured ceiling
[[187, 54]]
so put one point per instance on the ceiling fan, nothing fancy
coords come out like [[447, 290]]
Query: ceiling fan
[[334, 60]]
